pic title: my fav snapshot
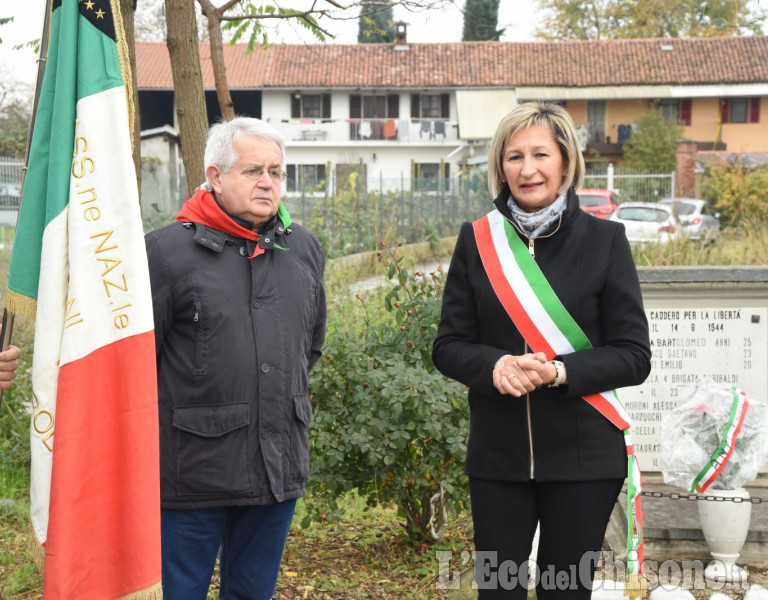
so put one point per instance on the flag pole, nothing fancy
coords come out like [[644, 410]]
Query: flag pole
[[9, 317]]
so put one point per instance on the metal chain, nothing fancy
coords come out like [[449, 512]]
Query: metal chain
[[699, 497]]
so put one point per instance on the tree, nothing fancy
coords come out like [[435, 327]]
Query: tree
[[375, 24], [652, 144], [14, 126], [188, 87], [481, 18], [617, 19]]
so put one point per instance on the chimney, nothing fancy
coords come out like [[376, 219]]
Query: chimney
[[401, 36]]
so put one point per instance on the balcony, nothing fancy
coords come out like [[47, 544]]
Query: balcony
[[334, 131]]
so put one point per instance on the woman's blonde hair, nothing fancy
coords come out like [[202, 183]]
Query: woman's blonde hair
[[543, 114]]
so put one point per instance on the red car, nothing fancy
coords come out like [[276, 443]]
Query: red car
[[601, 203]]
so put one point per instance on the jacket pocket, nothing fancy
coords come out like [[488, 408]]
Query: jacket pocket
[[299, 455], [211, 446]]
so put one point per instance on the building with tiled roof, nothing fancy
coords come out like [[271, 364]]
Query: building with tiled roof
[[403, 109]]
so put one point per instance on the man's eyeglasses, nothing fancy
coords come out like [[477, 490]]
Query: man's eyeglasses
[[255, 172]]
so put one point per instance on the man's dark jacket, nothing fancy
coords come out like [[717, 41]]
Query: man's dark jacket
[[236, 338], [589, 265]]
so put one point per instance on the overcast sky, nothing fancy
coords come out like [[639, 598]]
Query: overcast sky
[[517, 16]]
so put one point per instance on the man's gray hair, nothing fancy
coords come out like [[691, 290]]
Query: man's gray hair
[[219, 149]]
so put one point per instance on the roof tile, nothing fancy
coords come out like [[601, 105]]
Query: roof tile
[[476, 64]]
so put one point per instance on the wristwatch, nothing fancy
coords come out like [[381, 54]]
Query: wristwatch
[[559, 373]]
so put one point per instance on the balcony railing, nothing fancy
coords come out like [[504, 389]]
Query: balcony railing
[[365, 130]]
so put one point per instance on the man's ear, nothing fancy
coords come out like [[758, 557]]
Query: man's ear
[[213, 173]]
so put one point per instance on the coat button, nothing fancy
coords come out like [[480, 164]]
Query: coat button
[[243, 251], [256, 304], [267, 240], [264, 435], [265, 368]]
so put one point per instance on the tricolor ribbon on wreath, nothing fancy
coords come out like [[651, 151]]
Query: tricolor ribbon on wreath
[[547, 327], [722, 455]]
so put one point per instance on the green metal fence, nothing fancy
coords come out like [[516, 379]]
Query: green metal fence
[[362, 212]]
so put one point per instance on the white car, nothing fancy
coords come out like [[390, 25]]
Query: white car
[[10, 195], [647, 222], [698, 222]]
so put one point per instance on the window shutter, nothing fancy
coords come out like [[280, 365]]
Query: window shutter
[[685, 111], [354, 107], [295, 106], [415, 106], [725, 110], [326, 106], [754, 110], [445, 106], [393, 106]]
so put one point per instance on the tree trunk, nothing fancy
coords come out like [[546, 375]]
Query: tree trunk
[[188, 86], [217, 59], [128, 9]]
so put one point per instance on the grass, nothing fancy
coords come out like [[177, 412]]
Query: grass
[[739, 245], [364, 554]]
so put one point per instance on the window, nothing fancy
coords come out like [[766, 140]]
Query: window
[[310, 106], [675, 112], [596, 121], [431, 177], [305, 178], [740, 110], [368, 114], [430, 106], [670, 111]]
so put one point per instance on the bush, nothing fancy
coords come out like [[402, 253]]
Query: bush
[[386, 423], [738, 191]]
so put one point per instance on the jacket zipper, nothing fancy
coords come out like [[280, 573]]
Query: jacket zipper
[[531, 240], [525, 351], [530, 423]]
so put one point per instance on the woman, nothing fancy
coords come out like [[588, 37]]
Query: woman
[[542, 312]]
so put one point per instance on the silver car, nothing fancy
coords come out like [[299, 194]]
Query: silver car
[[699, 223], [648, 222]]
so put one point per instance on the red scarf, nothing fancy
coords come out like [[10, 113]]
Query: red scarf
[[203, 208]]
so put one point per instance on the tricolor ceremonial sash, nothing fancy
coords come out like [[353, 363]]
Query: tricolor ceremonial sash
[[720, 458], [547, 327]]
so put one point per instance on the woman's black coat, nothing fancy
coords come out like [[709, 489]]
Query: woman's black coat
[[589, 265]]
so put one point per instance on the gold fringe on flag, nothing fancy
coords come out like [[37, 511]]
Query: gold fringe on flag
[[20, 304], [36, 549], [154, 592], [636, 586], [125, 63]]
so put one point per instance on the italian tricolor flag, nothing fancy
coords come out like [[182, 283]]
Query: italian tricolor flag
[[79, 265]]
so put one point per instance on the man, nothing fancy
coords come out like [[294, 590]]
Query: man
[[239, 307]]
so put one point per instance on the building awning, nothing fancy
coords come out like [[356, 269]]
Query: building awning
[[480, 111]]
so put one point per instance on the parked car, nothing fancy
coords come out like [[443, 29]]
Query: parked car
[[647, 222], [10, 195], [601, 203], [698, 221]]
